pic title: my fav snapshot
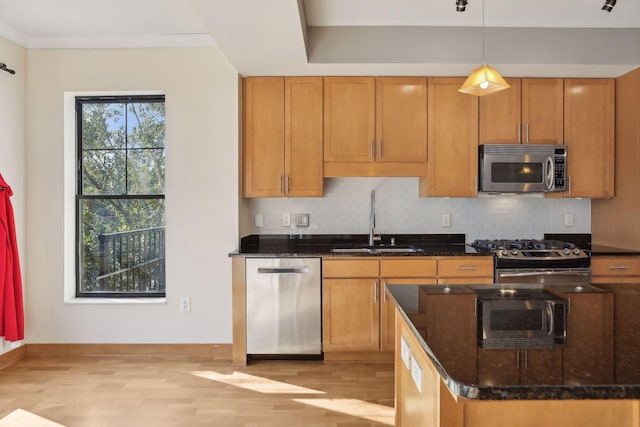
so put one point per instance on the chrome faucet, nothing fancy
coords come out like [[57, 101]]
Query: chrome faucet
[[372, 219]]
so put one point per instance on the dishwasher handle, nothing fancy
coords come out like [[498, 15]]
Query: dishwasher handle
[[283, 270]]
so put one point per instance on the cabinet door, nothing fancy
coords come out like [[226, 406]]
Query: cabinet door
[[303, 137], [500, 116], [589, 135], [542, 111], [540, 366], [349, 119], [498, 367], [401, 119], [263, 136], [350, 311], [387, 308], [452, 166], [588, 355]]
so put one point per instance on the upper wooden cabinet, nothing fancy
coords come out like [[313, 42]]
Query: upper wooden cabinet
[[589, 123], [282, 137], [530, 112], [452, 169], [375, 126]]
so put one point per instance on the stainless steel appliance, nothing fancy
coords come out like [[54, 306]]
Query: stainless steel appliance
[[537, 261], [520, 317], [518, 168], [284, 306]]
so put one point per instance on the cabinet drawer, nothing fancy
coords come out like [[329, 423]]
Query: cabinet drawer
[[465, 267], [351, 267], [615, 266], [414, 267], [466, 281]]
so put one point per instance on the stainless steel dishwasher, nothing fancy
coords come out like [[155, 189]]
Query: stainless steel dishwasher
[[284, 307]]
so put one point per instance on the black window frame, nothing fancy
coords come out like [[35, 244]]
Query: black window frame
[[79, 196]]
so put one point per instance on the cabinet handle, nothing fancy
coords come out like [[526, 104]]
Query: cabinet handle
[[518, 359], [619, 267], [568, 306], [280, 184], [371, 150], [384, 292], [379, 149], [526, 128], [526, 359], [375, 293], [286, 185], [467, 267], [519, 139], [475, 307]]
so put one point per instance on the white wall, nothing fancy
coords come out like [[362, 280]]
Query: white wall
[[201, 89], [12, 141], [345, 209]]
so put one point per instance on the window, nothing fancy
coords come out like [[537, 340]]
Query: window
[[120, 244]]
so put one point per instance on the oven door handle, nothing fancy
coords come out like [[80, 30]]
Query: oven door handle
[[550, 325], [547, 272]]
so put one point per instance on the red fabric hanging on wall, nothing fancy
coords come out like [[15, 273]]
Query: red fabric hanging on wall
[[11, 307]]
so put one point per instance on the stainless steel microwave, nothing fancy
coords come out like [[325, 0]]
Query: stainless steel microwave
[[516, 168]]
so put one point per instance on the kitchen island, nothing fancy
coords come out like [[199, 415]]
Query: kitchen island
[[444, 378]]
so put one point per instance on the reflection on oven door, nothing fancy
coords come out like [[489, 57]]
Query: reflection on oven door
[[544, 276]]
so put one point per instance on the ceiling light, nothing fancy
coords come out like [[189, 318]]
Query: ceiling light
[[484, 79], [608, 5], [461, 5]]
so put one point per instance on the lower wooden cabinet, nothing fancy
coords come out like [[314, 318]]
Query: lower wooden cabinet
[[519, 366], [465, 270], [618, 269]]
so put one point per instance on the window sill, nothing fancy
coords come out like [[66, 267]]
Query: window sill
[[115, 301]]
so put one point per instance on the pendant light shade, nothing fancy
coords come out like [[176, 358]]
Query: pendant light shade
[[483, 81]]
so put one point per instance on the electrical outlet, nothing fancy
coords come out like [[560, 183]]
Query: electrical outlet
[[568, 220], [259, 220], [185, 304], [286, 220], [445, 220]]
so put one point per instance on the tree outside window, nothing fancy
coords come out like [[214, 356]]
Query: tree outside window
[[120, 196]]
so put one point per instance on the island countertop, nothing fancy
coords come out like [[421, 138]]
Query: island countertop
[[458, 359]]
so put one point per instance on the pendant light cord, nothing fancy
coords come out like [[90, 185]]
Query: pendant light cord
[[483, 60]]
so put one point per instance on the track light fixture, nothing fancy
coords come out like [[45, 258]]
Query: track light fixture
[[461, 5], [608, 5]]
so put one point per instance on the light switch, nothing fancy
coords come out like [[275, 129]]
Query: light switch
[[286, 220]]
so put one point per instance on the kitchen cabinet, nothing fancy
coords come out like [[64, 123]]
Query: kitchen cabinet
[[530, 112], [396, 271], [452, 168], [375, 126], [519, 366], [588, 353], [589, 123], [455, 313], [615, 269], [282, 137], [465, 270], [357, 315]]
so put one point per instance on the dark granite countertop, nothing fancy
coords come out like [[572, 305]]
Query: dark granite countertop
[[283, 245], [603, 250], [625, 357]]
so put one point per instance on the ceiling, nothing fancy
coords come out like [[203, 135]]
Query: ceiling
[[314, 37]]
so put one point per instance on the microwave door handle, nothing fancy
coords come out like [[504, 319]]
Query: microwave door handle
[[550, 168], [550, 326]]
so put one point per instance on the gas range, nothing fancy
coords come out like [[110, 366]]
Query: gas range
[[533, 253]]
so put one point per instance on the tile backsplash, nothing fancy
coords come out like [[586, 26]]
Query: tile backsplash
[[345, 209]]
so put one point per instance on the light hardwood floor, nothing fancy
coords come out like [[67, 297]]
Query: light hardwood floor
[[139, 391]]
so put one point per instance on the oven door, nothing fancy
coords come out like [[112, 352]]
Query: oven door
[[544, 276]]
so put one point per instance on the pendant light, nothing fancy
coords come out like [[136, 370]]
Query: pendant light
[[484, 79]]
